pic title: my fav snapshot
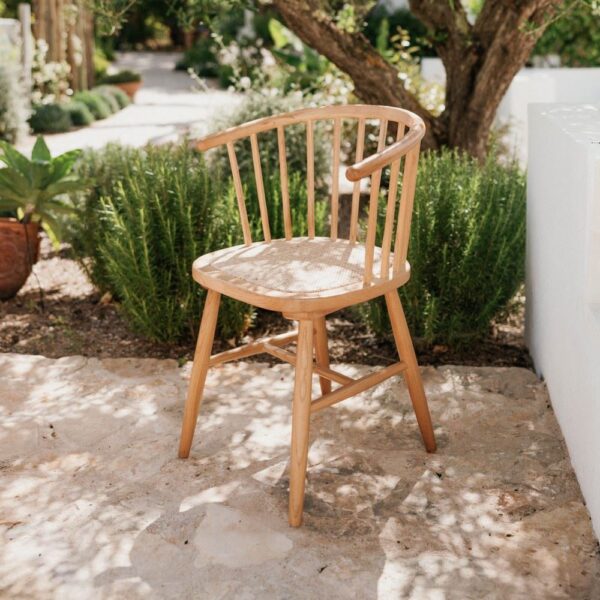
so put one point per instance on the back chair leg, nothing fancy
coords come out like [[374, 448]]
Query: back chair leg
[[412, 373], [322, 352], [199, 371], [300, 421]]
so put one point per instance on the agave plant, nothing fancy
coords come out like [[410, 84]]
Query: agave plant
[[31, 189]]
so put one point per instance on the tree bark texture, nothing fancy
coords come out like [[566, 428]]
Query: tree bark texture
[[481, 59]]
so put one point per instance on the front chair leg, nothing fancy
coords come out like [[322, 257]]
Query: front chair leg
[[412, 373], [300, 421], [199, 371], [322, 352]]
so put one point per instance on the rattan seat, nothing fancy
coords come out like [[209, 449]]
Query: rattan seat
[[293, 271]]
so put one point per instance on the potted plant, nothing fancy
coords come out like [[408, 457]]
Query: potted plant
[[129, 81], [30, 193]]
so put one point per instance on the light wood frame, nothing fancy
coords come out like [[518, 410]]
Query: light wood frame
[[310, 309]]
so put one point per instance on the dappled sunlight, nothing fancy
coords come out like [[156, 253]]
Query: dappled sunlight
[[96, 504]]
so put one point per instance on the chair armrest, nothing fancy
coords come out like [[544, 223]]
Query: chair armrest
[[388, 155]]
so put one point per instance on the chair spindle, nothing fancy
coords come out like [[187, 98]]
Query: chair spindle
[[310, 176], [239, 192], [373, 201], [260, 188], [285, 194], [390, 213], [360, 148], [335, 178], [409, 180]]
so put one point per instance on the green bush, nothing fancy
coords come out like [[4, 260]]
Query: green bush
[[117, 93], [125, 76], [13, 118], [575, 37], [202, 57], [80, 114], [151, 213], [467, 248], [95, 102], [50, 118], [109, 98], [257, 105]]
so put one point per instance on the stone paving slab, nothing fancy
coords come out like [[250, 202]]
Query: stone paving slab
[[95, 504]]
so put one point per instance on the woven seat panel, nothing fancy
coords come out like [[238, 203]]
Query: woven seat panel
[[295, 266]]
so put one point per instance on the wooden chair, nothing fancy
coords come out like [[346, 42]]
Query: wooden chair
[[307, 278]]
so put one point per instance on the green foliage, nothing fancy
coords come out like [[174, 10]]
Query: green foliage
[[151, 213], [79, 113], [124, 76], [575, 37], [12, 108], [101, 63], [31, 189], [202, 58], [95, 102], [108, 98], [298, 207], [467, 248], [382, 25], [50, 118], [257, 105], [116, 93]]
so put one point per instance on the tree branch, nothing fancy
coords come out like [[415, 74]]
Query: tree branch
[[375, 80]]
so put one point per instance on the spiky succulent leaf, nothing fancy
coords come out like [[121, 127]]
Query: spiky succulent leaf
[[61, 187], [13, 184], [13, 158], [63, 164], [40, 151]]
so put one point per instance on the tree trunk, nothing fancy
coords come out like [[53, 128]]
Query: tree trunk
[[480, 60]]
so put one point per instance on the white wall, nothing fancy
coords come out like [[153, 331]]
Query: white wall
[[543, 85], [563, 277]]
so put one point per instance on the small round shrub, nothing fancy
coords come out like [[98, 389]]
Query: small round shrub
[[81, 116], [95, 102], [125, 76], [118, 94], [50, 118], [110, 100]]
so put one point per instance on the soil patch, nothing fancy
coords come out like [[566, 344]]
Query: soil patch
[[71, 317]]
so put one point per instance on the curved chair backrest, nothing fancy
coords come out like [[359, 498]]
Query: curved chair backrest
[[409, 132]]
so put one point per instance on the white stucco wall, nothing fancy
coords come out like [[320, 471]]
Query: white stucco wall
[[563, 277]]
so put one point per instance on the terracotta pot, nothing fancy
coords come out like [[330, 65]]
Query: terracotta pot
[[130, 88], [19, 250]]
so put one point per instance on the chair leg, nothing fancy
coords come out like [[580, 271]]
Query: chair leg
[[412, 373], [199, 371], [300, 421], [322, 352]]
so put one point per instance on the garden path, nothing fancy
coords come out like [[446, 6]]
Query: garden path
[[94, 503], [166, 107]]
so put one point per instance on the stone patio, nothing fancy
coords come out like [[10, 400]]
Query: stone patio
[[95, 504]]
